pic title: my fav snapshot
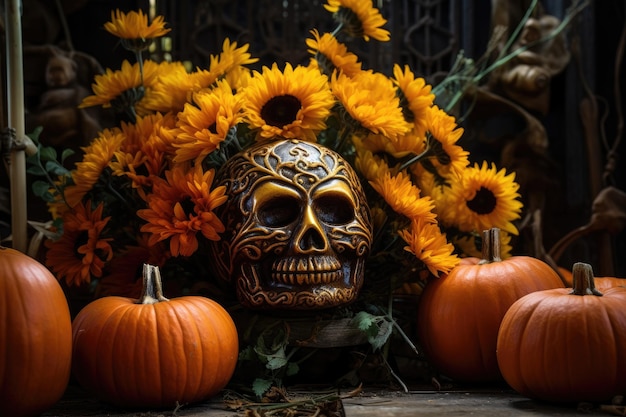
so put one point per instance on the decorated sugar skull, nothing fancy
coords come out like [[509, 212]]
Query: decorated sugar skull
[[298, 228]]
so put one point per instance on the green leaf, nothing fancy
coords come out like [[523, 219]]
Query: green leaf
[[42, 189], [377, 328], [261, 386], [66, 153], [247, 354], [366, 322], [53, 167], [35, 170], [47, 153], [276, 362], [292, 369], [384, 331]]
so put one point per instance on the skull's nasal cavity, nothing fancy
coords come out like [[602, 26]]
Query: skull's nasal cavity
[[312, 240]]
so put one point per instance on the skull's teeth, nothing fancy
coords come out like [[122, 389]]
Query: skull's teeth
[[313, 278]]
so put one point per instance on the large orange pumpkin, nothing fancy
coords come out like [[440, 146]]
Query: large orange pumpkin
[[154, 352], [459, 314], [566, 345], [35, 336]]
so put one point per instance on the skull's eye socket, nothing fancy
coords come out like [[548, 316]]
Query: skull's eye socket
[[278, 212], [336, 209]]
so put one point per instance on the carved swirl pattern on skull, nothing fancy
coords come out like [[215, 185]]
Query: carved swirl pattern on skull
[[298, 228]]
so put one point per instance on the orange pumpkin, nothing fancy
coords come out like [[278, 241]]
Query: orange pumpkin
[[154, 352], [566, 345], [35, 336], [602, 283], [459, 314]]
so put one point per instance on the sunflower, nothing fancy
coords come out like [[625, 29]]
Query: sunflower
[[427, 243], [415, 97], [81, 252], [204, 124], [171, 91], [230, 58], [330, 54], [181, 206], [146, 129], [370, 101], [369, 165], [446, 156], [293, 103], [359, 18], [133, 29], [122, 89], [484, 198], [404, 197], [97, 157]]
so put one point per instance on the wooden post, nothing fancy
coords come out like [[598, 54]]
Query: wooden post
[[15, 110]]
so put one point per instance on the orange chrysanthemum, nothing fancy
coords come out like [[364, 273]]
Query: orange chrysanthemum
[[81, 252], [180, 207]]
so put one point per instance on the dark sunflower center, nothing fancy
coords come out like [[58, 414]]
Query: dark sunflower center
[[350, 20], [281, 110], [484, 202], [325, 63], [213, 128], [404, 105]]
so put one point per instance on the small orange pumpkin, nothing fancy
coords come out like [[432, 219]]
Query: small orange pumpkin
[[35, 336], [566, 345], [602, 283], [154, 352], [459, 314]]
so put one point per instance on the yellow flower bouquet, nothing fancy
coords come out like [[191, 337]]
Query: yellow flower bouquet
[[143, 191]]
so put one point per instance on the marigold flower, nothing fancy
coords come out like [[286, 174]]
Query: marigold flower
[[427, 243], [204, 124], [97, 157], [404, 197], [134, 25]]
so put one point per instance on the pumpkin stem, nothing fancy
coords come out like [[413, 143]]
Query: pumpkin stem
[[491, 246], [152, 286], [583, 281]]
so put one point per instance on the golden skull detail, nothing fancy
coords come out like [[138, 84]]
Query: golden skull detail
[[298, 228]]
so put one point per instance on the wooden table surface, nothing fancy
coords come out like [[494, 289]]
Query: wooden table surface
[[418, 401]]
